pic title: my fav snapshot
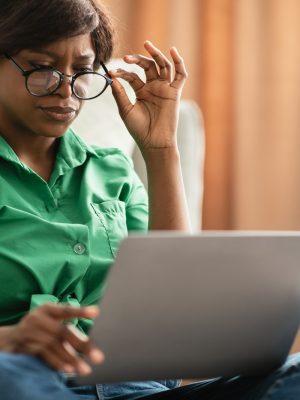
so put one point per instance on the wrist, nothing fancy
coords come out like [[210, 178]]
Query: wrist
[[6, 338], [161, 155]]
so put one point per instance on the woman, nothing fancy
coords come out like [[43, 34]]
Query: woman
[[65, 206]]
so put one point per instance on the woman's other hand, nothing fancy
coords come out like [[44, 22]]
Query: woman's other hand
[[152, 120], [43, 333]]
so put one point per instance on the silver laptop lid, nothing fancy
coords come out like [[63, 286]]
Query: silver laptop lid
[[212, 304]]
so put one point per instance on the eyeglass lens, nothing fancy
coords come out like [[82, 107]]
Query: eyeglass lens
[[87, 85], [41, 83]]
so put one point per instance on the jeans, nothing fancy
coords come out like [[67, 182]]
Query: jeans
[[24, 377]]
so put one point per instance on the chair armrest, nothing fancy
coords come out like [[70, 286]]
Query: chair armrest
[[190, 136]]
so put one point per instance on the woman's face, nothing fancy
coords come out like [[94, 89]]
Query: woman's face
[[51, 115]]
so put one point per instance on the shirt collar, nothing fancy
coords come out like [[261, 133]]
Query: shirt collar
[[7, 152], [72, 150]]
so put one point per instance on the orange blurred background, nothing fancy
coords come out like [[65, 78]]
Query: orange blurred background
[[243, 60]]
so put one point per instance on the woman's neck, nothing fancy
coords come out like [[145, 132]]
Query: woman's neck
[[37, 152]]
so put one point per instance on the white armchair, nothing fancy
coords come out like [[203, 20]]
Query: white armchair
[[100, 124]]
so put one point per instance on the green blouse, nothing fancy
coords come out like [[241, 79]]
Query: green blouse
[[58, 239]]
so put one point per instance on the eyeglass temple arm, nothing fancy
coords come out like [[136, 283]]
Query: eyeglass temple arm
[[105, 70], [15, 64]]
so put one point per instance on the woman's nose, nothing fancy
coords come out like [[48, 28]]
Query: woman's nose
[[65, 88]]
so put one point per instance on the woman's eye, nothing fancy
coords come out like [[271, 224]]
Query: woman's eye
[[76, 69], [84, 69], [39, 65]]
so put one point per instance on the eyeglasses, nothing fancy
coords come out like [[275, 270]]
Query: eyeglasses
[[44, 81]]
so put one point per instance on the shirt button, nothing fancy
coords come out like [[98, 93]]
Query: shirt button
[[79, 248]]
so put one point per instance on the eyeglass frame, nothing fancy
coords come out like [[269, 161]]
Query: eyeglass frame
[[27, 73]]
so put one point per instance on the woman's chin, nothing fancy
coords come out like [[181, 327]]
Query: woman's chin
[[52, 130]]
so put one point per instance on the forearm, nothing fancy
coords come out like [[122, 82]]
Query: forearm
[[167, 203]]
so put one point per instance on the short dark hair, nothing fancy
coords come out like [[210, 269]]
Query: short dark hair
[[29, 24]]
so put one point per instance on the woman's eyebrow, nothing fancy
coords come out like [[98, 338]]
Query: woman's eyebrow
[[84, 56]]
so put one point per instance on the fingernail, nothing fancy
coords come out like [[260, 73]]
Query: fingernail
[[68, 368], [84, 369], [96, 356], [131, 57], [116, 71], [92, 309]]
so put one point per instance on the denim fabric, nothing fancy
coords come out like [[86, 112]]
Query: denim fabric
[[88, 392], [134, 390], [24, 377]]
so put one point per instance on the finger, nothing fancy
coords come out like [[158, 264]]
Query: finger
[[36, 331], [64, 356], [78, 340], [66, 353], [46, 325], [62, 350], [94, 355], [27, 347], [65, 312], [39, 328], [148, 65], [165, 67], [81, 343], [180, 70], [55, 360], [133, 79], [71, 360], [122, 100], [34, 344], [44, 335]]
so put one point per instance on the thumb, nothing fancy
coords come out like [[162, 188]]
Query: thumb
[[122, 100]]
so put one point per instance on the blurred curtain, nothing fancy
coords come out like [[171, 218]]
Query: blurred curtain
[[250, 98], [166, 23], [267, 122], [243, 59], [216, 32]]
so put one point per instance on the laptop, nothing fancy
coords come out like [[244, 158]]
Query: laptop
[[203, 305]]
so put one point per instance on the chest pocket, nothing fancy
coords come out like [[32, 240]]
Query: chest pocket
[[112, 216]]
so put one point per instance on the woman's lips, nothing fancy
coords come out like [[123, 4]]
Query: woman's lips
[[59, 114]]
